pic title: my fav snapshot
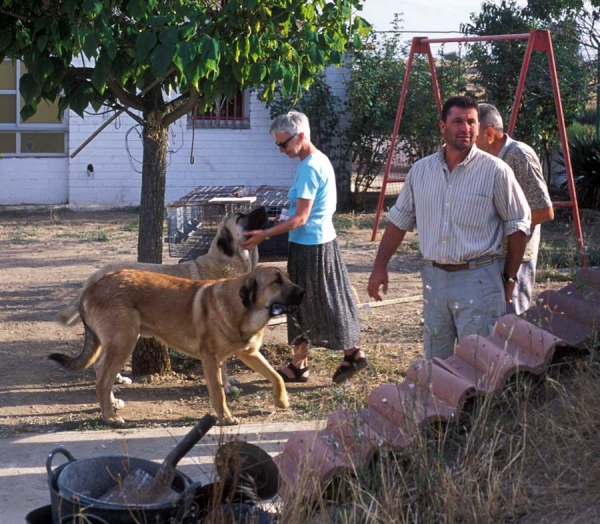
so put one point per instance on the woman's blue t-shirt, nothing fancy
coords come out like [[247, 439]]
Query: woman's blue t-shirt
[[314, 180]]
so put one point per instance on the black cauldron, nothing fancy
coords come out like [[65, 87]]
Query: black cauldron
[[76, 485]]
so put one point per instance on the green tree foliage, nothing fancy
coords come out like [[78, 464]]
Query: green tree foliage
[[324, 112], [133, 52], [374, 92], [584, 15], [498, 65], [127, 54]]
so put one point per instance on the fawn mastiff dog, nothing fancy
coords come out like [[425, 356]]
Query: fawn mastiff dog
[[208, 320], [225, 258]]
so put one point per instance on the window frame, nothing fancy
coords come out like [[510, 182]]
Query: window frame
[[18, 128], [205, 121]]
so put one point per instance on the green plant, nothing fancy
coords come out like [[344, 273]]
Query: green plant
[[584, 151], [356, 221], [577, 129], [498, 66], [19, 236], [134, 225], [373, 91]]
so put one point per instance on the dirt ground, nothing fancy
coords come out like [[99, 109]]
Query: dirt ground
[[46, 256]]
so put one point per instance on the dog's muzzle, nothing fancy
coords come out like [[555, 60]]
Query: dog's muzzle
[[292, 301]]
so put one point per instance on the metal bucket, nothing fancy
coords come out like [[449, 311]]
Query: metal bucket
[[76, 485], [43, 515]]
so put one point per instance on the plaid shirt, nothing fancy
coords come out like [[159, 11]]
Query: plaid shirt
[[528, 171], [463, 214]]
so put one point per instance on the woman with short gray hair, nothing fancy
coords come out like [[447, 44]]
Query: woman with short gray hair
[[328, 316]]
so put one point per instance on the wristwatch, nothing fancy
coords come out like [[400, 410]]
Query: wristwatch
[[506, 278]]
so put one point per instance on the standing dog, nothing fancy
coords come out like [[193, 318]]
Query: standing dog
[[225, 258], [206, 320]]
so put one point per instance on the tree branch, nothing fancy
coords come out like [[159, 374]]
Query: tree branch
[[124, 109], [123, 96], [17, 16], [181, 107]]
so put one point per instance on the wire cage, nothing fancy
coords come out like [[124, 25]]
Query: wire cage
[[193, 219]]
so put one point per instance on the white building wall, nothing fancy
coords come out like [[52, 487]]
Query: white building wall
[[247, 157], [33, 181]]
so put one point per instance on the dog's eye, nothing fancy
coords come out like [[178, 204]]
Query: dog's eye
[[279, 279]]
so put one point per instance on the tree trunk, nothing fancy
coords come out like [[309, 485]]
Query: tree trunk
[[152, 207], [150, 356], [343, 180]]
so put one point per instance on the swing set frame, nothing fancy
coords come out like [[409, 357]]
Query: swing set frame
[[537, 40]]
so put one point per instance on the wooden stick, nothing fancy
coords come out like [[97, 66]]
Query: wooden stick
[[365, 305]]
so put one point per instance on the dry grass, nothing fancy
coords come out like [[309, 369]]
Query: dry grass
[[532, 456]]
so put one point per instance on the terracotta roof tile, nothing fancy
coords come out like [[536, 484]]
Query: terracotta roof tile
[[438, 389]]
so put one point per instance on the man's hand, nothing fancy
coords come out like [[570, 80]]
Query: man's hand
[[377, 279], [392, 238]]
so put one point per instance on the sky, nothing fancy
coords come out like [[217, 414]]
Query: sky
[[423, 16]]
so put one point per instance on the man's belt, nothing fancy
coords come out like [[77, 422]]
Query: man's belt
[[473, 264]]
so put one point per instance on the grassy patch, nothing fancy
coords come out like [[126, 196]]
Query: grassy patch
[[133, 226], [363, 221], [20, 236], [99, 235]]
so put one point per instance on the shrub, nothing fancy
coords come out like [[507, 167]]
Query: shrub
[[584, 151]]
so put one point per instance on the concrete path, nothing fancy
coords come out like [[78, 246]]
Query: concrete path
[[23, 476]]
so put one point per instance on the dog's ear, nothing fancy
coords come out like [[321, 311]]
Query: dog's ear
[[225, 242], [257, 219], [248, 292]]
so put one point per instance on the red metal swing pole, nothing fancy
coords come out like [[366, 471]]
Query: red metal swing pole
[[388, 165], [540, 40], [417, 46], [537, 41]]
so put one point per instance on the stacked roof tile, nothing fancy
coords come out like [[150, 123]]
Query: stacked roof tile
[[437, 389]]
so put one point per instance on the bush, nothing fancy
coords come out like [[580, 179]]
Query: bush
[[585, 161]]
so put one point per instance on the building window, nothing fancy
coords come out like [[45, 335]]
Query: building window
[[42, 135], [225, 113]]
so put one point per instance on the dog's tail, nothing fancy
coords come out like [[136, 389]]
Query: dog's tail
[[69, 316], [89, 355]]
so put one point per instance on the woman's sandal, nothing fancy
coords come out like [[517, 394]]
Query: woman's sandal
[[343, 373], [298, 374]]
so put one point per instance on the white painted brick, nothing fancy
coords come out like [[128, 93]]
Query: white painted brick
[[222, 157]]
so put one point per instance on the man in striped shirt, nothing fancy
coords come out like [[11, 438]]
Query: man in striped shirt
[[463, 202], [528, 171]]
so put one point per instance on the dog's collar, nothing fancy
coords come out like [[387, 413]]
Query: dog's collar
[[276, 309]]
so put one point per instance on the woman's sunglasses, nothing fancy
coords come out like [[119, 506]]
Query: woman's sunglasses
[[283, 145]]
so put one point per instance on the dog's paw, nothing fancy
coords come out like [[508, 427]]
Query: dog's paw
[[115, 420], [228, 422], [123, 380], [118, 403], [282, 403]]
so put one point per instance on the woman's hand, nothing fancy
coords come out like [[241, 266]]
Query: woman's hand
[[253, 238]]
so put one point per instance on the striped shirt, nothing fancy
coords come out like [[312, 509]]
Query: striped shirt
[[463, 214]]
